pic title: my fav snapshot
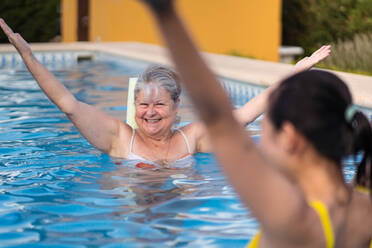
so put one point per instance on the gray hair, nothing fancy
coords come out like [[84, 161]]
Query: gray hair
[[156, 76]]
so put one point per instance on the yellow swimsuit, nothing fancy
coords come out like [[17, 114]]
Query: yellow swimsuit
[[322, 211]]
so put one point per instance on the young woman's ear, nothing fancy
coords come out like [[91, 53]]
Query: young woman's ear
[[290, 139]]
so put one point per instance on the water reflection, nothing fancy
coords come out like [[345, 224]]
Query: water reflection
[[58, 190], [149, 187]]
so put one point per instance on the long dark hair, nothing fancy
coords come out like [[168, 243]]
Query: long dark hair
[[316, 103], [363, 143]]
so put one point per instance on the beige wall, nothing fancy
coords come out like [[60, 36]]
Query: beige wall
[[247, 27]]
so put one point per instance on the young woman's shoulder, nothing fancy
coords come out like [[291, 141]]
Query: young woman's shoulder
[[359, 224], [363, 204]]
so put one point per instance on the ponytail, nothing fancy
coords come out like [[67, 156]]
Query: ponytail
[[362, 142], [318, 104]]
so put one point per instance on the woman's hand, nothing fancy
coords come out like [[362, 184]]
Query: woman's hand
[[308, 62], [159, 6], [15, 39]]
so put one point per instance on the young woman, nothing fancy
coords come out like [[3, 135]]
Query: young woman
[[292, 182]]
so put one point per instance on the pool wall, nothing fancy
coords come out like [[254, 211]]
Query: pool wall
[[262, 73]]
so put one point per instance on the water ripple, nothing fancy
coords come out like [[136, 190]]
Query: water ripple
[[57, 191]]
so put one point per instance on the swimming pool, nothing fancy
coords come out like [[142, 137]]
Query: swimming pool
[[58, 191]]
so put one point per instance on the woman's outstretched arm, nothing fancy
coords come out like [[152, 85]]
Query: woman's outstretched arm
[[97, 127], [258, 105], [270, 196]]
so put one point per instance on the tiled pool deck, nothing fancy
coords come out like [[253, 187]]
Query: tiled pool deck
[[241, 69]]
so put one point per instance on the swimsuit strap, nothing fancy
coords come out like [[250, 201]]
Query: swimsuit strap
[[131, 140], [186, 140], [325, 220], [322, 211], [362, 189], [254, 242]]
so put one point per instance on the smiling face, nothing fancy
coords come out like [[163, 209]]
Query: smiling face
[[155, 112]]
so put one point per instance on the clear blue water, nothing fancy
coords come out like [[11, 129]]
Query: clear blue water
[[58, 191]]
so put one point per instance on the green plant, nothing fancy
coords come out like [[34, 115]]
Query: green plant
[[35, 20], [352, 55], [310, 23]]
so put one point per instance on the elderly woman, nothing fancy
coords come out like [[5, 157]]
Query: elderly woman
[[156, 100]]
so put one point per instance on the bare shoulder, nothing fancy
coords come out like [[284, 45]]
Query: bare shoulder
[[361, 212], [366, 208], [120, 146], [190, 130], [194, 129], [194, 133], [358, 231]]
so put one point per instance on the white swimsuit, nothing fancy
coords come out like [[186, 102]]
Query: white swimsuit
[[186, 161]]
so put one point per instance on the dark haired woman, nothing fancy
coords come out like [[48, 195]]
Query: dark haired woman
[[293, 183]]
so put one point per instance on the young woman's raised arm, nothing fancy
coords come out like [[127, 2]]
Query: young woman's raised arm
[[257, 106], [276, 204], [97, 127]]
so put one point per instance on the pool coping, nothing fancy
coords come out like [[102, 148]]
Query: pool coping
[[242, 69]]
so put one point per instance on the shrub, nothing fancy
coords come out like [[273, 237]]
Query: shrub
[[352, 55], [310, 23], [35, 20]]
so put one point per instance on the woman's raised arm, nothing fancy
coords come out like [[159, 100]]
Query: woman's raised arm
[[270, 196], [98, 128], [257, 106]]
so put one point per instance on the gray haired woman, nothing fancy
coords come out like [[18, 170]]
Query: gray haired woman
[[154, 142]]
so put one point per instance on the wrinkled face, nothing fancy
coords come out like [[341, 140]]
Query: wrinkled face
[[156, 113]]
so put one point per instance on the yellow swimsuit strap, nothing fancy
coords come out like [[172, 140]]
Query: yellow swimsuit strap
[[255, 240], [362, 189], [325, 220], [322, 211]]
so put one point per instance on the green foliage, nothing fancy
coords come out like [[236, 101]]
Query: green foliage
[[35, 20], [310, 23], [352, 55]]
